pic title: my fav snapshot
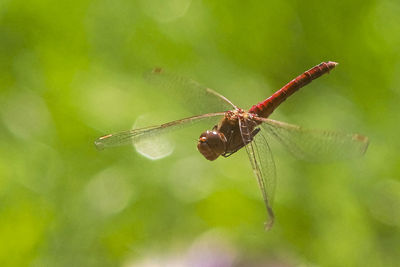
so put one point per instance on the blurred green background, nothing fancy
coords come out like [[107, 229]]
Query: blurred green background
[[71, 71]]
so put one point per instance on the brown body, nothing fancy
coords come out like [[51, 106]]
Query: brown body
[[228, 136]]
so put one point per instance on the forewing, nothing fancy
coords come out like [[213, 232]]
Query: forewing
[[263, 165], [190, 94], [316, 145], [137, 135]]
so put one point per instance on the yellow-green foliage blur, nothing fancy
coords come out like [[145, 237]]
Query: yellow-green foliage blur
[[71, 71]]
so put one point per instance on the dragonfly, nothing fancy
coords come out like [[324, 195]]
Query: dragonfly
[[252, 129]]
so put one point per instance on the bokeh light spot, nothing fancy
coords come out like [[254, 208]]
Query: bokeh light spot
[[109, 192]]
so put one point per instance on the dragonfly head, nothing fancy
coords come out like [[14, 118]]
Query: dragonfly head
[[211, 144]]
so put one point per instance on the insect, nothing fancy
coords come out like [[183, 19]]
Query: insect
[[252, 129]]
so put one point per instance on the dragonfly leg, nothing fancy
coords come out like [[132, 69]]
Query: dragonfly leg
[[227, 154]]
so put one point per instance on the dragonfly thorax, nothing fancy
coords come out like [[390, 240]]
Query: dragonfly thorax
[[212, 144]]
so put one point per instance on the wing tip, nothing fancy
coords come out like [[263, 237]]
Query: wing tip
[[157, 70], [99, 143], [268, 224], [363, 139]]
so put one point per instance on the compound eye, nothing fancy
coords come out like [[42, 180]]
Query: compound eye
[[211, 144], [214, 140]]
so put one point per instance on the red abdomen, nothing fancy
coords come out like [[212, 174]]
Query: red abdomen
[[265, 108]]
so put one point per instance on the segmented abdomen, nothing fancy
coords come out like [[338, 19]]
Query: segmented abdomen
[[265, 108]]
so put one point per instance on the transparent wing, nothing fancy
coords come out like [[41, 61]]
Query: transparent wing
[[136, 135], [315, 145], [263, 165], [195, 97]]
